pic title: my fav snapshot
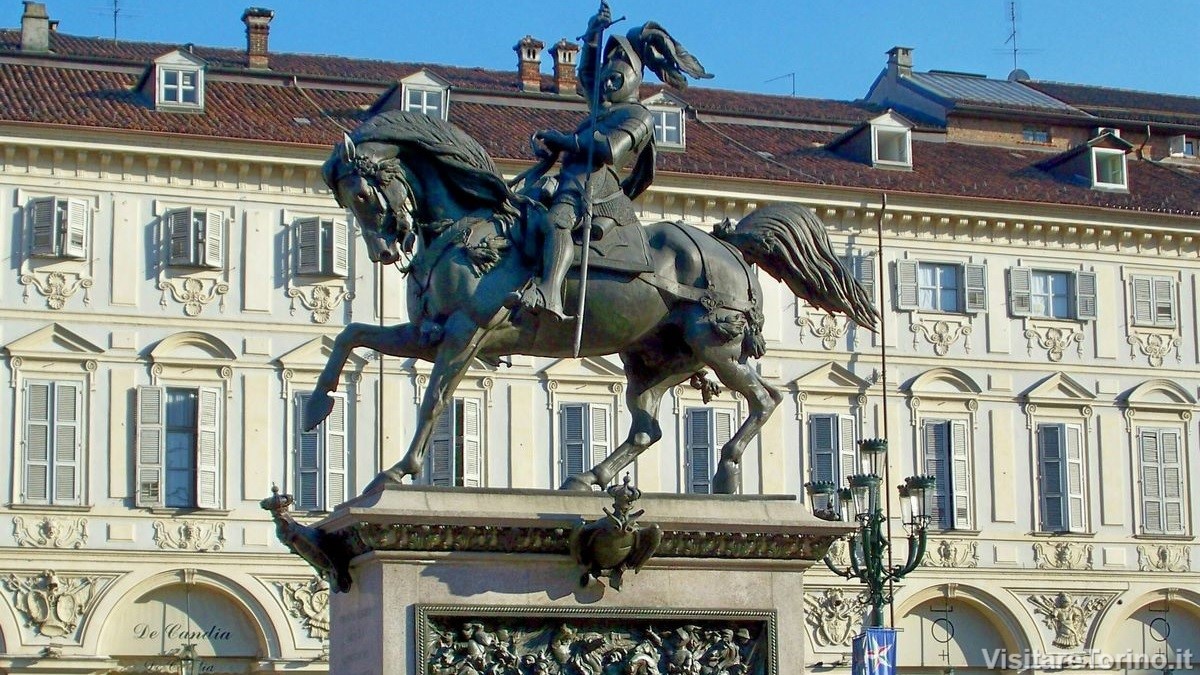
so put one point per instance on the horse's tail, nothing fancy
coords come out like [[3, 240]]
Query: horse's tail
[[790, 243]]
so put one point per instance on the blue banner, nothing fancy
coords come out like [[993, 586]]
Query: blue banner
[[875, 652]]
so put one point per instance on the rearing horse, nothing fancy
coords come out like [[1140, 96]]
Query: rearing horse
[[412, 179]]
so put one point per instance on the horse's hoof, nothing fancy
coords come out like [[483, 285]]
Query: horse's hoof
[[383, 480], [727, 479], [576, 483], [318, 407]]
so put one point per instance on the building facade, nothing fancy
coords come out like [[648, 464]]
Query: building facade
[[178, 271]]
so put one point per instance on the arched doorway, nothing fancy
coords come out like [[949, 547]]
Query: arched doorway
[[940, 633], [1159, 635]]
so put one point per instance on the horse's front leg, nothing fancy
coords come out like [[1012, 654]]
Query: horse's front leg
[[462, 341], [403, 340]]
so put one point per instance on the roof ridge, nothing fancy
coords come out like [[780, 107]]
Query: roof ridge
[[1120, 89]]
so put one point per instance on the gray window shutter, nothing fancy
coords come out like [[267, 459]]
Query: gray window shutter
[[1164, 302], [699, 439], [1143, 301], [906, 284], [151, 418], [937, 454], [975, 287], [76, 228], [208, 448], [341, 249], [573, 446], [181, 237], [847, 449], [336, 456], [822, 449], [441, 447], [308, 459], [1053, 498], [599, 439], [472, 440], [1020, 291], [37, 442], [214, 239], [865, 267], [43, 217], [1085, 295], [1076, 509], [67, 442], [308, 245], [1172, 483], [960, 475], [1152, 481]]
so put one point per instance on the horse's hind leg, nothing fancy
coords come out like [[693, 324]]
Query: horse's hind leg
[[645, 389], [731, 369]]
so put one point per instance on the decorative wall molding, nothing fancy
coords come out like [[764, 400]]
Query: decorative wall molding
[[308, 601], [194, 293], [48, 532], [1164, 558], [57, 287], [824, 326], [941, 333], [1068, 615], [1055, 339], [1154, 346], [51, 604], [1063, 555], [319, 299], [956, 553], [189, 535], [833, 617]]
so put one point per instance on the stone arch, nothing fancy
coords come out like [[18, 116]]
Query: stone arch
[[1158, 391], [983, 622], [1133, 626], [943, 381], [190, 344]]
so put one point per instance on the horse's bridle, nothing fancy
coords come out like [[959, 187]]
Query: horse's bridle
[[379, 174]]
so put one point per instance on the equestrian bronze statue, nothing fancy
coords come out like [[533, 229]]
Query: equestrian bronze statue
[[492, 269]]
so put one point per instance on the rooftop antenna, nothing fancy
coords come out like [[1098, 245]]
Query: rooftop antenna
[[1012, 36], [116, 12], [791, 76]]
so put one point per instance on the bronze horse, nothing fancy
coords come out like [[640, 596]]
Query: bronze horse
[[411, 180]]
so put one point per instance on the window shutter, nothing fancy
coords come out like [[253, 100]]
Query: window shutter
[[208, 448], [214, 239], [1076, 509], [67, 442], [43, 215], [599, 436], [341, 249], [1152, 481], [472, 468], [180, 236], [1143, 301], [151, 417], [960, 475], [846, 447], [822, 444], [1164, 302], [308, 459], [1085, 295], [308, 244], [1020, 291], [937, 451], [75, 239], [699, 443], [1050, 443], [335, 458], [1172, 483], [37, 442], [975, 287], [441, 448], [572, 444], [865, 271], [906, 284]]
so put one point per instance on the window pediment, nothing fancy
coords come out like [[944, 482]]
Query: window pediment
[[1059, 390], [53, 342], [583, 370], [191, 346], [950, 381], [313, 355], [1159, 394], [830, 377]]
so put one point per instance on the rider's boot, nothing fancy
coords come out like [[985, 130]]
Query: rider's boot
[[545, 295]]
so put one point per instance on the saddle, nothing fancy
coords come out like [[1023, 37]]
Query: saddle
[[620, 249]]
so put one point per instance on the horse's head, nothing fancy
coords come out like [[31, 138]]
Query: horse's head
[[375, 189]]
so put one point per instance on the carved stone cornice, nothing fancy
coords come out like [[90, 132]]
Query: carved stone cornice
[[1063, 555], [48, 532], [833, 617], [189, 535], [309, 602], [1164, 558], [1154, 346], [957, 553], [53, 604], [57, 287]]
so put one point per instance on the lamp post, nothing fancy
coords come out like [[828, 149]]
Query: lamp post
[[862, 499]]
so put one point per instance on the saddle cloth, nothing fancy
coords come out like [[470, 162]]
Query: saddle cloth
[[622, 249]]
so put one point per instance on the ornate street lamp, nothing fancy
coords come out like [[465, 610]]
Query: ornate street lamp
[[186, 659], [862, 499]]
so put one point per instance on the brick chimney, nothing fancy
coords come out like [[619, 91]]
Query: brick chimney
[[35, 28], [900, 62], [258, 29], [566, 56], [529, 63]]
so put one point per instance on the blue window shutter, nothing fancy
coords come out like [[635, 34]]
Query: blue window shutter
[[699, 443], [572, 439], [1052, 464], [937, 464], [308, 459], [824, 463]]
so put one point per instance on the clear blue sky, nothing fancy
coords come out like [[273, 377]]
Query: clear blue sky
[[834, 48]]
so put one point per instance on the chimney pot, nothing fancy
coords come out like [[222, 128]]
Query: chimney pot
[[35, 28], [900, 61], [529, 63], [566, 57], [258, 30]]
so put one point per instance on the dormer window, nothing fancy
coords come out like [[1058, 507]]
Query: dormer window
[[1108, 169], [666, 111], [178, 80], [424, 93], [891, 146], [884, 142]]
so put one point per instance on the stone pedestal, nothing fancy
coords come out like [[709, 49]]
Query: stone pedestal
[[447, 576]]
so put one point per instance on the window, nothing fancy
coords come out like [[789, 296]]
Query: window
[[322, 457], [1061, 483], [1182, 146], [891, 146], [941, 287], [54, 436], [583, 437], [195, 237], [180, 87], [707, 430], [1162, 481], [425, 101], [1154, 302], [1052, 294], [178, 447], [456, 449], [322, 247], [862, 267], [1035, 135], [59, 227], [832, 452], [1108, 168], [947, 459], [668, 127]]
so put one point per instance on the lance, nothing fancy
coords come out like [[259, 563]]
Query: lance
[[594, 106]]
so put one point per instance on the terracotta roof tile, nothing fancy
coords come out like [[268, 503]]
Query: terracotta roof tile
[[1125, 103]]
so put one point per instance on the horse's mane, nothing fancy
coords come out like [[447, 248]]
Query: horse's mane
[[468, 170]]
